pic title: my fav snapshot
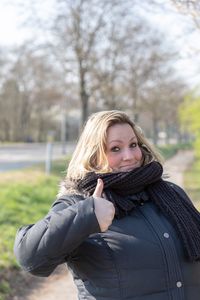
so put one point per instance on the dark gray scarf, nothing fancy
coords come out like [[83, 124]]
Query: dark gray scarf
[[125, 188]]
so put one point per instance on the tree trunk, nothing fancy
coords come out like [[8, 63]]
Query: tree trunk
[[155, 131], [84, 97]]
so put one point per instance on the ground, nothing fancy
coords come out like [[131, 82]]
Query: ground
[[60, 286]]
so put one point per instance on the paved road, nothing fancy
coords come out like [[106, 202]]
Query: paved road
[[18, 156]]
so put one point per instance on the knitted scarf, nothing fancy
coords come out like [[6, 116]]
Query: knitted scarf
[[123, 188]]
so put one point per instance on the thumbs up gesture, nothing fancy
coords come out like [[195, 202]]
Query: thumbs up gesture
[[103, 208]]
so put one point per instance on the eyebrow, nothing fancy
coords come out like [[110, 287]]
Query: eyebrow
[[119, 141]]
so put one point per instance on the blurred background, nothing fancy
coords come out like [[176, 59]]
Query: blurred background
[[62, 60]]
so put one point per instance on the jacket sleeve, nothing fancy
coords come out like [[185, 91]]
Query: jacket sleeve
[[40, 247]]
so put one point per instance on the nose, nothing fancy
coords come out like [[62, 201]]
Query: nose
[[127, 154]]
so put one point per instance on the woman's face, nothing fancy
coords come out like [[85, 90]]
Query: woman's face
[[122, 150]]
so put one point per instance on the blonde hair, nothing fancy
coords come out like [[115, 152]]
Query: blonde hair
[[90, 152]]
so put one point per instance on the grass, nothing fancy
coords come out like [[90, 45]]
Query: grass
[[168, 151], [25, 197], [22, 203]]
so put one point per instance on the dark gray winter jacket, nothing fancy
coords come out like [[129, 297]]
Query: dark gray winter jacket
[[140, 257]]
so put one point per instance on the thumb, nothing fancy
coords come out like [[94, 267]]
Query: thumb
[[99, 188]]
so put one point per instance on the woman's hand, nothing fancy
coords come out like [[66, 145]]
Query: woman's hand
[[103, 208]]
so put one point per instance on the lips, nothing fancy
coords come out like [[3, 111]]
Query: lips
[[128, 168]]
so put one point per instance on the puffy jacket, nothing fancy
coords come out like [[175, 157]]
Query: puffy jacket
[[139, 257]]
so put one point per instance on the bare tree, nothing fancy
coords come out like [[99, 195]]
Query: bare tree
[[27, 96], [82, 31], [189, 7], [109, 70], [161, 99], [105, 55]]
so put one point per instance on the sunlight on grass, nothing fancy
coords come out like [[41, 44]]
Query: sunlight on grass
[[25, 197], [28, 176]]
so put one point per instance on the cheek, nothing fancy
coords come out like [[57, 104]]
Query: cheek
[[138, 154], [113, 160]]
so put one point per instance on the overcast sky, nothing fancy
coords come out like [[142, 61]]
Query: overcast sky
[[175, 29]]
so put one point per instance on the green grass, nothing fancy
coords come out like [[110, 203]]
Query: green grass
[[168, 151], [25, 197], [192, 182], [22, 203]]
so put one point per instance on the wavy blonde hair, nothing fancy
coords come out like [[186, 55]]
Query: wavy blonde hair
[[90, 152]]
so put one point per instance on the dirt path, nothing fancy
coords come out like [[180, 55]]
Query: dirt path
[[176, 166], [60, 286]]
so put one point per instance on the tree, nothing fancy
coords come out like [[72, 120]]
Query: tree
[[109, 69], [106, 57], [82, 30], [27, 96], [189, 7]]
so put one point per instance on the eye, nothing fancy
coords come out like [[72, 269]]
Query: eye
[[133, 145], [115, 149]]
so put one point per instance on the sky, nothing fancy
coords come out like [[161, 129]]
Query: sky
[[173, 27], [9, 33], [180, 32], [12, 30]]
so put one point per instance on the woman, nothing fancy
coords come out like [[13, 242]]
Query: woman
[[124, 232]]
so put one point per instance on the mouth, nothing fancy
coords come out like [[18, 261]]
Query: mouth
[[128, 168]]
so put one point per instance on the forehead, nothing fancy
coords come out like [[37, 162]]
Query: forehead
[[120, 131]]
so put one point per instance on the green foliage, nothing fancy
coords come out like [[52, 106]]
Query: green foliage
[[4, 289], [189, 114], [22, 203], [168, 151], [197, 146], [4, 286]]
